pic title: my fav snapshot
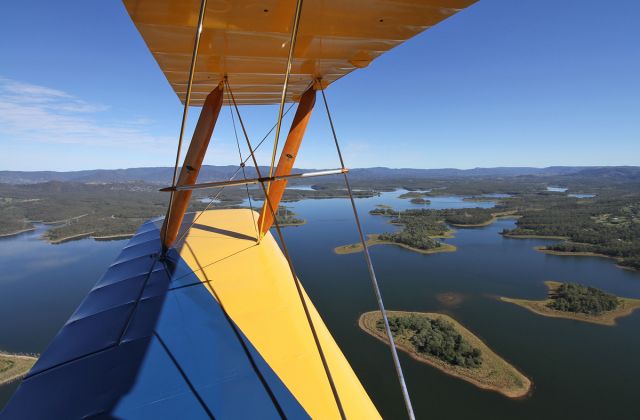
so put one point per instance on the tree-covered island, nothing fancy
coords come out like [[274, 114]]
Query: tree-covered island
[[418, 232], [440, 341], [286, 217], [414, 194], [374, 239], [436, 337], [420, 228], [579, 302]]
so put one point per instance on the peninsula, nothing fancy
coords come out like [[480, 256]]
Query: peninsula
[[580, 303], [440, 341]]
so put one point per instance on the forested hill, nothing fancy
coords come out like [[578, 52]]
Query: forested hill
[[162, 175]]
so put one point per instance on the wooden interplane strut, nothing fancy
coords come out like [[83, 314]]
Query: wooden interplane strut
[[287, 158], [192, 164]]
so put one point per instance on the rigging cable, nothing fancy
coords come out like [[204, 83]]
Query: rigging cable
[[291, 267], [372, 273], [285, 85], [185, 112], [244, 174], [183, 374]]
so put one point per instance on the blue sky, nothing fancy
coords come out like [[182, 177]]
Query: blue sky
[[503, 83]]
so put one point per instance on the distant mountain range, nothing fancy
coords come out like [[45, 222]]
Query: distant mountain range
[[162, 175]]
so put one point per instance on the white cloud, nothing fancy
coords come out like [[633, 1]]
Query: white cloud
[[38, 113], [18, 88]]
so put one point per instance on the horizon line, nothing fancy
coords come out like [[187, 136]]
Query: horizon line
[[353, 168]]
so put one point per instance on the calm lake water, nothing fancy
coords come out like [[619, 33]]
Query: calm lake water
[[579, 370]]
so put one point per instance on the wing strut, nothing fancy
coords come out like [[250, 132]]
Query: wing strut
[[285, 85], [192, 68], [192, 164], [287, 157]]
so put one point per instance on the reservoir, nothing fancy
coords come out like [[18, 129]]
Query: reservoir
[[579, 370]]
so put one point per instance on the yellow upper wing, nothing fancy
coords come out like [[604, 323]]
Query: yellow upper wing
[[248, 40]]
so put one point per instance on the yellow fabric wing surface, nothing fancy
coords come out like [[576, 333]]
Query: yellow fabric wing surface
[[254, 285], [248, 40]]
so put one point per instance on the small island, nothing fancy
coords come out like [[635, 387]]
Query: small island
[[287, 217], [440, 341], [420, 231], [427, 245], [580, 303], [420, 201], [14, 366], [415, 194]]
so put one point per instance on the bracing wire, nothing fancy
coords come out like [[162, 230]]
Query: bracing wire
[[372, 273], [244, 174], [185, 112], [291, 267]]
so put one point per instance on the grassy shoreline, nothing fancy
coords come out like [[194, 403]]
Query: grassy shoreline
[[113, 237], [301, 223], [372, 240], [570, 253], [83, 235], [494, 218], [512, 236], [627, 306], [69, 238], [495, 373], [14, 366], [18, 232], [544, 250]]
